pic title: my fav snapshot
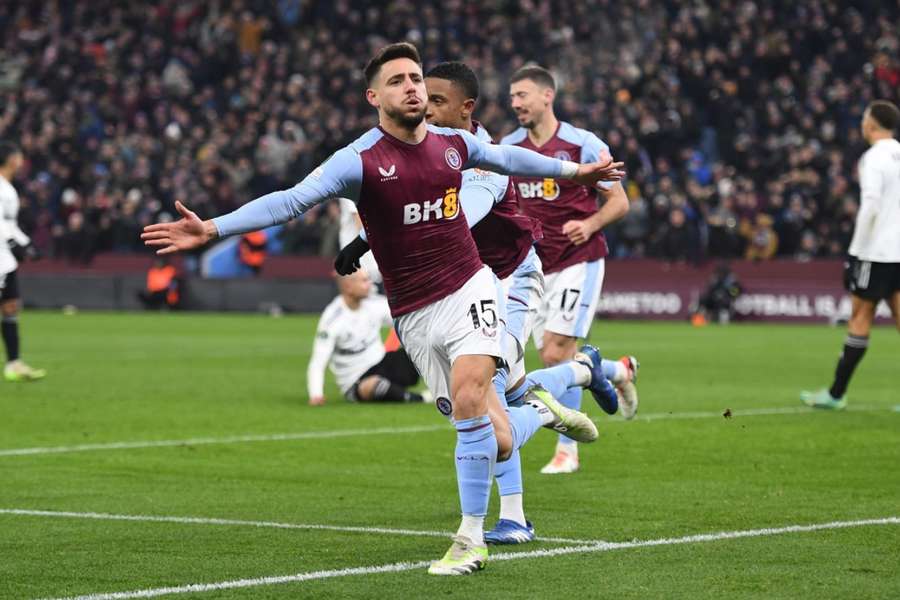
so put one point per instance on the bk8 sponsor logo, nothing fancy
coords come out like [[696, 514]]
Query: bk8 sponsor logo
[[445, 207], [546, 189]]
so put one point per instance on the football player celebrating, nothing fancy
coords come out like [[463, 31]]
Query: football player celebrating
[[405, 178], [573, 248], [505, 240]]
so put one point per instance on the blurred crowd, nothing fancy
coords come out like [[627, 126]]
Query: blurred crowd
[[738, 120]]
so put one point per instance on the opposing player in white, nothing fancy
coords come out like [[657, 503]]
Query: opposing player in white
[[872, 272], [13, 243], [348, 341]]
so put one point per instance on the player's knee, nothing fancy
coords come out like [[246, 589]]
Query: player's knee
[[9, 309], [555, 353], [859, 324], [365, 389], [469, 399], [470, 388]]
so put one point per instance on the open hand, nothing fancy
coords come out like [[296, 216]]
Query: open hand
[[605, 169], [187, 233]]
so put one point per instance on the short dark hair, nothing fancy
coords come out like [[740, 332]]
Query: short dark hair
[[389, 53], [458, 73], [539, 75], [7, 149], [886, 114]]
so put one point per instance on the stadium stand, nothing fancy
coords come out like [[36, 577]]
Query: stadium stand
[[738, 120]]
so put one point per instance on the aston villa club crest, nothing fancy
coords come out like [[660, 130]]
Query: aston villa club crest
[[444, 406], [562, 155], [454, 160]]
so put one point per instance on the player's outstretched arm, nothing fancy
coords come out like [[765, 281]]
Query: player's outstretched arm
[[340, 175], [513, 160], [187, 233], [604, 170]]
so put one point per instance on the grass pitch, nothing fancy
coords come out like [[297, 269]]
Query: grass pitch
[[230, 385]]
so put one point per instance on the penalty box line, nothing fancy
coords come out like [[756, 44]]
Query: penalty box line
[[410, 566], [260, 524], [339, 433]]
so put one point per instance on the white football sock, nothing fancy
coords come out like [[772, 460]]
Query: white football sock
[[472, 527], [547, 417], [621, 375], [511, 508], [581, 373]]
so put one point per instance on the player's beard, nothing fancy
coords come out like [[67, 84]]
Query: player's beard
[[531, 123], [405, 119]]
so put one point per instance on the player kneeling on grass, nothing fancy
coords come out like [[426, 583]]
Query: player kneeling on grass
[[348, 339]]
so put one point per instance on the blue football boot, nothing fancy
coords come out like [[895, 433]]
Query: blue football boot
[[601, 388], [507, 531]]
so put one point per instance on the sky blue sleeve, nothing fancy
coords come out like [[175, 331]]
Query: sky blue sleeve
[[509, 160], [340, 175], [590, 152], [476, 202]]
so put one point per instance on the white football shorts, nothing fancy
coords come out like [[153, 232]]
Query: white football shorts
[[524, 290], [466, 322], [570, 301]]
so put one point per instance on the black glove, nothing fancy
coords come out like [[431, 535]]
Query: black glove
[[347, 260], [23, 252]]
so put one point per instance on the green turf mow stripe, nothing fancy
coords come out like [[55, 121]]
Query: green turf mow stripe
[[308, 435], [239, 522], [409, 566]]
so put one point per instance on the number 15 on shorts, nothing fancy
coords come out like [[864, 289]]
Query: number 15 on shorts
[[484, 314]]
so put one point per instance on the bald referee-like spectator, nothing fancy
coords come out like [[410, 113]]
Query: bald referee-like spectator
[[872, 272]]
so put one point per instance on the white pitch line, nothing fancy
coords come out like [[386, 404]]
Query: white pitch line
[[237, 439], [746, 412], [309, 435], [409, 566], [245, 583], [245, 523]]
